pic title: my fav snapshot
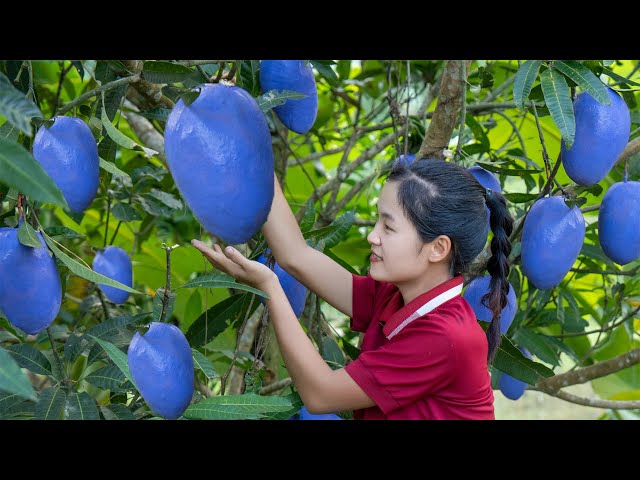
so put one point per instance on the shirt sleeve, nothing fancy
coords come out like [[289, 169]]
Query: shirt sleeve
[[363, 296], [417, 362]]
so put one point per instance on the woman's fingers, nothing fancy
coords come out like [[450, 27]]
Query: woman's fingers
[[225, 261]]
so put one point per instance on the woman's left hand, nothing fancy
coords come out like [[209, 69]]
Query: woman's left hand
[[232, 262]]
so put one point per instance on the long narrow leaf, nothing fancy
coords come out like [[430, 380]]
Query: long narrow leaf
[[16, 107], [80, 406], [50, 405], [118, 357], [111, 168], [511, 361], [22, 172], [30, 358], [524, 81], [585, 78], [12, 379], [27, 236], [117, 411], [558, 100], [203, 363], [236, 407], [83, 271], [221, 281], [121, 139]]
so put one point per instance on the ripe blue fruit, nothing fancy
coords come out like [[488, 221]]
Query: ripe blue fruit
[[161, 364], [113, 262], [473, 294], [68, 152], [305, 415], [407, 159], [510, 387], [295, 75], [485, 178], [602, 132], [552, 237], [219, 152], [295, 291], [618, 222], [30, 291]]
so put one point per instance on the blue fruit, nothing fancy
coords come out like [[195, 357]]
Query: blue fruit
[[219, 153], [113, 262], [295, 291], [295, 75], [68, 152], [161, 364], [602, 132], [619, 223], [552, 237], [485, 178], [474, 292], [510, 387], [30, 291], [305, 415]]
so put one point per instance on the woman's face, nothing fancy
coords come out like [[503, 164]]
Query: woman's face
[[398, 254]]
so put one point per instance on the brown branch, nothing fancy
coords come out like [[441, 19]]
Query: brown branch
[[315, 156], [244, 344], [151, 92], [445, 116], [632, 148], [584, 375], [275, 386], [595, 402], [145, 131]]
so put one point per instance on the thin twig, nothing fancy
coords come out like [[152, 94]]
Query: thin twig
[[276, 386], [100, 89], [594, 402]]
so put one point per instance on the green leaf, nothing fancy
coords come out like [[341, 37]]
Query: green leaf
[[9, 131], [340, 261], [160, 114], [30, 358], [216, 320], [585, 78], [22, 172], [16, 107], [203, 363], [309, 217], [118, 357], [524, 81], [332, 353], [111, 168], [64, 232], [125, 212], [110, 328], [221, 281], [611, 74], [83, 271], [558, 100], [80, 406], [511, 361], [478, 132], [50, 405], [116, 411], [538, 346], [166, 198], [334, 233], [249, 75], [158, 299], [107, 378], [27, 236], [323, 67], [14, 405], [120, 138], [12, 379], [497, 168], [237, 407], [273, 98], [167, 72], [520, 197], [596, 252], [296, 405]]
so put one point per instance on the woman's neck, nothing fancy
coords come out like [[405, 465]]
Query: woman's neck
[[436, 275]]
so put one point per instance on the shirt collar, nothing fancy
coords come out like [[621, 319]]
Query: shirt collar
[[422, 304]]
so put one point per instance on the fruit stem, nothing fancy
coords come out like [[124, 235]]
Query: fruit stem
[[65, 379], [106, 228], [104, 304], [167, 288]]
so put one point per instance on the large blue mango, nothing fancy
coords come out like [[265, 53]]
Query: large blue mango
[[295, 75], [510, 387], [295, 291], [161, 364], [619, 223], [485, 178], [305, 415], [552, 237], [30, 291], [113, 262], [68, 152], [219, 153], [602, 132], [478, 287]]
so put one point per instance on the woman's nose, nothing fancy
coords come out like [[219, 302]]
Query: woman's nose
[[373, 237]]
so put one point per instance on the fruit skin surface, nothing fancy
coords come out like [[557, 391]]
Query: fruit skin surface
[[69, 154], [295, 75], [486, 178], [305, 415], [113, 262], [220, 155], [510, 387], [619, 223], [552, 237], [161, 364], [474, 292], [30, 289], [602, 132], [295, 291]]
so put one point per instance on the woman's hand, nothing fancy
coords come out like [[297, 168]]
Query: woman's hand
[[233, 263]]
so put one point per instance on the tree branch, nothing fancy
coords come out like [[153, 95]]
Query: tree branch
[[445, 116], [145, 131], [584, 375], [595, 402], [632, 147], [275, 386], [95, 91]]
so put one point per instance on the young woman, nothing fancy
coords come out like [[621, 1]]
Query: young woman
[[423, 355]]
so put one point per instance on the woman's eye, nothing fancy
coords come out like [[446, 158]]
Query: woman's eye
[[387, 227]]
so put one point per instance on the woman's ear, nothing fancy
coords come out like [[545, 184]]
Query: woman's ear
[[439, 249]]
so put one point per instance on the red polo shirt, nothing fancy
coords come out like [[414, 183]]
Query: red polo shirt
[[426, 360]]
